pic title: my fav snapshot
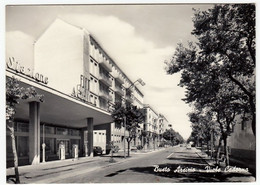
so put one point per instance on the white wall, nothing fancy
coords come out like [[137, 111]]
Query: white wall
[[242, 139], [99, 138], [59, 55]]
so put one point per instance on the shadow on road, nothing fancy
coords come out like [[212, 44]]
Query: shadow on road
[[188, 170]]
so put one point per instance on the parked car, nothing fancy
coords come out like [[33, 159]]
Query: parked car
[[98, 150], [133, 148]]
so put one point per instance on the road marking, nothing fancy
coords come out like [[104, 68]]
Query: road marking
[[169, 156]]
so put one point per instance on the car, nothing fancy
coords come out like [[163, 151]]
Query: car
[[188, 146], [133, 148], [98, 150]]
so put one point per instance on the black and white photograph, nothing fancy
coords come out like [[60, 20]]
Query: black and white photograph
[[131, 92]]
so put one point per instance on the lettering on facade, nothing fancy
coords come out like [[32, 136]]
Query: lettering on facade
[[82, 89], [18, 68]]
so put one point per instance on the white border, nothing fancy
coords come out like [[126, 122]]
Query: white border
[[3, 3]]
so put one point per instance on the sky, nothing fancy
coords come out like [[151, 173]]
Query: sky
[[139, 38]]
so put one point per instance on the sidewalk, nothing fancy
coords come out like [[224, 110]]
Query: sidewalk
[[232, 161], [56, 170]]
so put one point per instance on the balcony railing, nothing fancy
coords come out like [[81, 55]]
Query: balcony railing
[[119, 90], [129, 98], [105, 95], [105, 79], [105, 63]]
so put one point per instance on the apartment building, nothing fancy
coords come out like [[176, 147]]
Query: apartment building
[[163, 125], [80, 83], [151, 126]]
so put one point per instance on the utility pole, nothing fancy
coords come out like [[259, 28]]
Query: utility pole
[[124, 136]]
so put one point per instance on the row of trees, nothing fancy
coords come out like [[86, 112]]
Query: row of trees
[[218, 71], [132, 117], [173, 137], [129, 116]]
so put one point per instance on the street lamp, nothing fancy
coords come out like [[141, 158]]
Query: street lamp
[[140, 81]]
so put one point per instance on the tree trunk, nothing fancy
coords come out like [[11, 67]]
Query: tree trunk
[[251, 100], [218, 153], [128, 148], [226, 150], [253, 122], [11, 128], [208, 147]]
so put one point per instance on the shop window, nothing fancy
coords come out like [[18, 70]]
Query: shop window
[[62, 131], [50, 146], [49, 130], [22, 127], [23, 146], [74, 132]]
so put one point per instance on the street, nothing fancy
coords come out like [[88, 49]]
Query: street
[[176, 164]]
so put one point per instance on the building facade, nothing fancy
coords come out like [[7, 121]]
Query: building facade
[[242, 142], [80, 83]]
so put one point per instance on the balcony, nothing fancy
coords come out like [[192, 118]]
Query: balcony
[[105, 64], [105, 79], [119, 90], [129, 98], [119, 79], [105, 95]]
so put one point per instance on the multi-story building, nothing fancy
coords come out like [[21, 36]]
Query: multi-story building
[[163, 125], [151, 126], [80, 83]]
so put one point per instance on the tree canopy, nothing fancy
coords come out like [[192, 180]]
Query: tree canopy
[[219, 70], [173, 136]]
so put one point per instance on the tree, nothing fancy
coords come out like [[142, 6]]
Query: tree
[[14, 93], [173, 136], [226, 46], [227, 32], [132, 116], [218, 72], [203, 125]]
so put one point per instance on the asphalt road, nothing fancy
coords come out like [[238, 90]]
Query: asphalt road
[[176, 164]]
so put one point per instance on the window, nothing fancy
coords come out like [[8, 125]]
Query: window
[[23, 146], [62, 131], [74, 132], [49, 130], [22, 127]]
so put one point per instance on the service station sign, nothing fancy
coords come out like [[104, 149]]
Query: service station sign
[[18, 68]]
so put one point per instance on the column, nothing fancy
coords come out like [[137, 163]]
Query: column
[[90, 136], [108, 135], [34, 132]]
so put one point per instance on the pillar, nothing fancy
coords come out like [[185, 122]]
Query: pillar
[[34, 133], [108, 135], [90, 137]]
